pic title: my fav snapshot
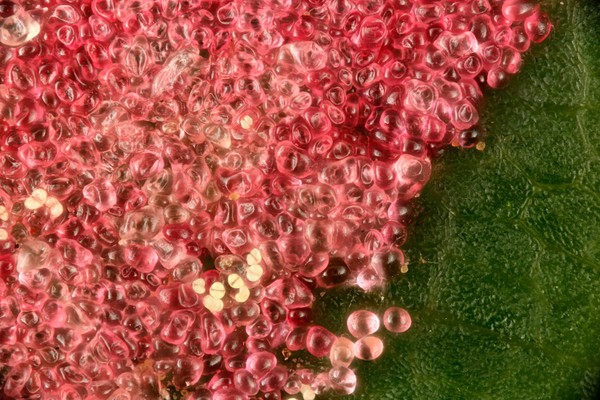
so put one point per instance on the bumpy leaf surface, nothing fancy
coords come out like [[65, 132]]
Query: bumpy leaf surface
[[504, 280]]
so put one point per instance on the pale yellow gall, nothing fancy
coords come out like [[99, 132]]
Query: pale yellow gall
[[217, 290], [254, 273], [213, 305], [235, 281], [36, 200], [32, 204], [199, 286], [404, 268], [3, 213], [307, 392], [246, 122], [254, 257], [242, 295], [56, 208], [40, 195]]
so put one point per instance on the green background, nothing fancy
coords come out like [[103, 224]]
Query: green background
[[504, 280]]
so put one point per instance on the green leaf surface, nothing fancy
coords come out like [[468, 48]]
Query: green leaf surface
[[504, 280]]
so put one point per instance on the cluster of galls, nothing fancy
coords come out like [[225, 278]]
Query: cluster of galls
[[280, 140]]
